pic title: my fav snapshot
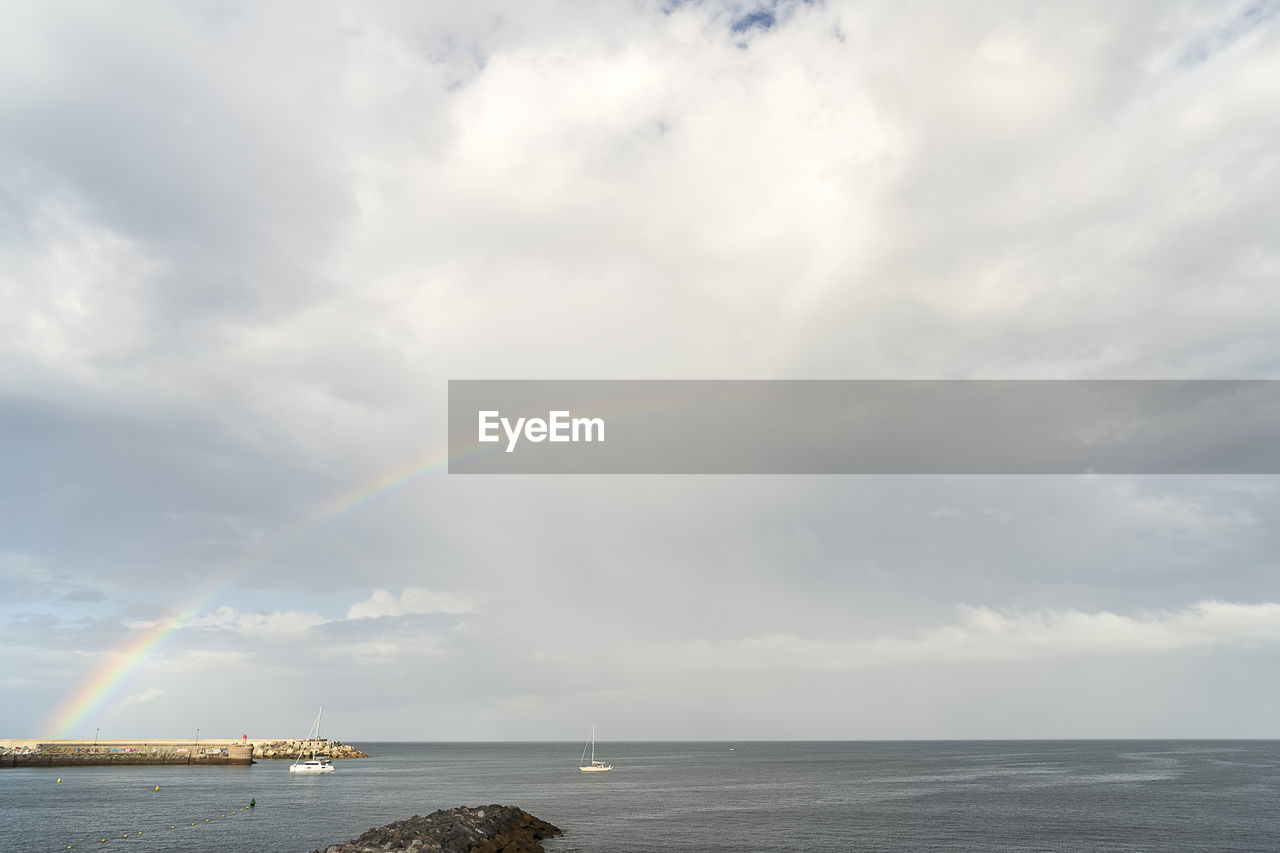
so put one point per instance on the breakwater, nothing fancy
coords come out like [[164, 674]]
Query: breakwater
[[209, 752], [90, 753], [291, 749]]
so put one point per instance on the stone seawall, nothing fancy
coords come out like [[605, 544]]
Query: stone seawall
[[114, 759], [204, 752], [74, 754]]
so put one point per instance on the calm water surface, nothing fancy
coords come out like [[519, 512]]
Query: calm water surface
[[952, 796]]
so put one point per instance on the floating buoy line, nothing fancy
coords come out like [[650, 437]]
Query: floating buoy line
[[124, 836]]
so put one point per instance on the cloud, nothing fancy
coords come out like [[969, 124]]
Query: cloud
[[259, 624], [1000, 515], [410, 600], [988, 634], [234, 293], [28, 579], [138, 698], [84, 595], [405, 615], [384, 628]]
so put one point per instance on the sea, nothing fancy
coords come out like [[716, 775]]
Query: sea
[[1115, 796]]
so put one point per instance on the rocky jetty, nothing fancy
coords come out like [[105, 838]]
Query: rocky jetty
[[292, 749], [483, 829]]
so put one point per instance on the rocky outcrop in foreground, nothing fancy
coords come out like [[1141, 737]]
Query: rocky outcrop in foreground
[[292, 749], [483, 829]]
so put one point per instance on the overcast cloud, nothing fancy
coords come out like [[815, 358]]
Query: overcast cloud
[[243, 247]]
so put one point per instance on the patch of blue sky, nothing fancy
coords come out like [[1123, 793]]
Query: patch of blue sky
[[760, 19], [1252, 17]]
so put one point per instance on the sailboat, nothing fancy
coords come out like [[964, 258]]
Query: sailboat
[[594, 766], [313, 764]]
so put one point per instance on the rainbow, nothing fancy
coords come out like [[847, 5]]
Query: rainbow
[[90, 697]]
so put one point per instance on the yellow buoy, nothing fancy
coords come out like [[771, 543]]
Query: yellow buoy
[[59, 782], [157, 787]]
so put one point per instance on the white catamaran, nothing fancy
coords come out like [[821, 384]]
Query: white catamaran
[[313, 764], [594, 766]]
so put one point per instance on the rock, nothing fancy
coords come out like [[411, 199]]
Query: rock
[[484, 829], [291, 749]]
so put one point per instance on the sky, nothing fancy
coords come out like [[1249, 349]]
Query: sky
[[244, 247]]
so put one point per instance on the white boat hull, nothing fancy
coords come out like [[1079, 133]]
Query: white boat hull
[[311, 768], [596, 768]]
